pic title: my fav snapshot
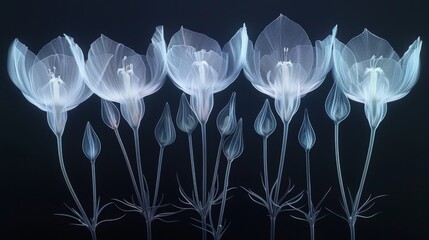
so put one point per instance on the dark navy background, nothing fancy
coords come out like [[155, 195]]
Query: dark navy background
[[32, 188]]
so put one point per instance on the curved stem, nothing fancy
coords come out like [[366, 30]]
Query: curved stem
[[194, 178], [282, 160], [265, 156], [139, 163], [158, 176], [224, 193], [130, 169], [338, 164], [365, 171], [272, 228], [66, 178]]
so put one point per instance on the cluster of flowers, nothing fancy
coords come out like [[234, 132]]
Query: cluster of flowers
[[282, 64]]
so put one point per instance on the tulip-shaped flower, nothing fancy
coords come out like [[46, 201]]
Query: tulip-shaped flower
[[199, 67], [51, 80], [368, 70], [119, 74], [285, 65]]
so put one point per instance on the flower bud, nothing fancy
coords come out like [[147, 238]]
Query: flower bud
[[306, 135], [265, 122], [234, 144], [185, 119], [337, 105], [91, 145], [226, 120], [165, 133], [110, 114]]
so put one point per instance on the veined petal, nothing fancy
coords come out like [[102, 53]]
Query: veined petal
[[284, 34], [115, 72], [236, 49], [91, 144], [366, 45], [192, 70], [19, 62], [197, 40], [410, 63], [344, 75], [156, 57], [58, 46], [323, 62]]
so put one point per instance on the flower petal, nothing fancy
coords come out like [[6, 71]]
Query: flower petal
[[366, 45], [197, 40]]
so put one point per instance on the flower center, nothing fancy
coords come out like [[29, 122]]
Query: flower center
[[374, 73], [125, 72], [55, 83]]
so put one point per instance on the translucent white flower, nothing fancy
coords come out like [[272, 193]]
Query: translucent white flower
[[284, 65], [51, 80], [368, 70], [117, 73], [199, 67]]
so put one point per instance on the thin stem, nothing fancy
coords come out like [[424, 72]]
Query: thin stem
[[138, 160], [307, 163], [224, 193], [312, 231], [194, 178], [338, 164], [158, 175], [204, 180], [265, 156], [365, 170], [352, 231], [93, 234], [149, 230], [282, 160], [272, 228], [66, 178], [130, 169], [94, 194], [216, 168]]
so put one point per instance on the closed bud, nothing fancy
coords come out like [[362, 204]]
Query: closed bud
[[265, 122], [234, 144], [165, 133], [110, 114], [185, 119], [91, 145], [226, 119], [306, 135], [337, 105]]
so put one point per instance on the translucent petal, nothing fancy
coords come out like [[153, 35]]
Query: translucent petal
[[202, 104], [133, 111], [57, 119], [410, 63], [78, 55], [19, 62], [110, 114], [282, 34], [155, 59], [197, 40], [106, 58], [185, 119], [306, 135], [366, 45], [323, 62], [236, 49], [226, 119], [58, 45], [234, 144], [265, 122], [91, 145], [375, 113], [286, 106], [337, 105]]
